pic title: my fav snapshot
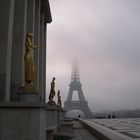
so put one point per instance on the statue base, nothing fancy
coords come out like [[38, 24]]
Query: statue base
[[29, 95], [51, 103], [22, 121], [51, 116], [28, 88]]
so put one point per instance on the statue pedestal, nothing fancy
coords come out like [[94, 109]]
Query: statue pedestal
[[51, 117], [22, 121], [59, 117], [25, 119], [29, 95]]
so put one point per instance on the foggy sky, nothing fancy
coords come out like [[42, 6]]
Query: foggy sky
[[104, 35]]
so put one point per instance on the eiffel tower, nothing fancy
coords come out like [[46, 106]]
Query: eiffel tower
[[82, 104]]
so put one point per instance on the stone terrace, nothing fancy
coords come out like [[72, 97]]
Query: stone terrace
[[81, 133], [126, 128]]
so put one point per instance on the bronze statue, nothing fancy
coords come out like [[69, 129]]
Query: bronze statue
[[59, 98], [28, 59], [52, 90]]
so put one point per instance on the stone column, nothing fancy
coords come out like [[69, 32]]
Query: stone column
[[4, 27], [44, 19], [45, 63], [41, 57], [37, 39], [9, 50], [18, 47], [30, 16]]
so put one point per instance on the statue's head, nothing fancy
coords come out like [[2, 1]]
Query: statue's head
[[30, 35], [53, 78]]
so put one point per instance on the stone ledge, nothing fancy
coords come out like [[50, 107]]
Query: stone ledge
[[50, 128], [65, 119], [101, 132], [21, 105]]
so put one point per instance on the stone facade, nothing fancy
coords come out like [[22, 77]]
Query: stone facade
[[22, 113], [19, 17]]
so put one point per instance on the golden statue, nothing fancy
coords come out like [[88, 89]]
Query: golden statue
[[29, 61], [59, 98], [52, 90]]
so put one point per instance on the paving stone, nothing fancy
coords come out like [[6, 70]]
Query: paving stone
[[128, 127]]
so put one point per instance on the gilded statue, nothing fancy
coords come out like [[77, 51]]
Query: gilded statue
[[29, 61], [52, 90], [59, 98]]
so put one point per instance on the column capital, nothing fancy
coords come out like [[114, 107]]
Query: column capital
[[45, 9]]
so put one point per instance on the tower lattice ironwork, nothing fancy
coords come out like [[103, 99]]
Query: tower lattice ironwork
[[80, 104]]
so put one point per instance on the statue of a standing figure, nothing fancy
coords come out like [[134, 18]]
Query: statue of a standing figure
[[29, 61], [59, 98], [52, 91]]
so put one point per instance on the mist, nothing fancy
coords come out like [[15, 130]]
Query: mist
[[104, 37]]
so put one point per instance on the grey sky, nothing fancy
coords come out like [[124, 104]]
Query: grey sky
[[104, 35]]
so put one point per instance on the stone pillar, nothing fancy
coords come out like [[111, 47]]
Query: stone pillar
[[9, 50], [18, 47], [45, 63], [4, 24], [30, 16], [37, 39], [41, 58]]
